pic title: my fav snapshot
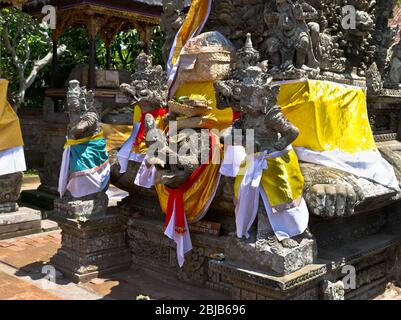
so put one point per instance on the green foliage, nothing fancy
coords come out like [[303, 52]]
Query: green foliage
[[157, 45], [24, 31], [125, 48]]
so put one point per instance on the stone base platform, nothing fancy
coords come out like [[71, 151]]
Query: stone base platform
[[373, 259], [40, 199], [23, 222], [92, 247], [369, 244]]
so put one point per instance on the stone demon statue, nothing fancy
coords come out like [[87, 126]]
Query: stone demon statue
[[85, 170]]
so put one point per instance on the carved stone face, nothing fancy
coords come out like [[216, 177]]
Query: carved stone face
[[286, 20], [169, 172], [76, 101], [143, 62], [258, 98], [148, 88], [228, 94]]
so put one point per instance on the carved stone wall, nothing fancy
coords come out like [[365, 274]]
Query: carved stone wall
[[150, 248], [342, 50]]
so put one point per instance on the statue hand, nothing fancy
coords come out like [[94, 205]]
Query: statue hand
[[331, 200], [298, 12]]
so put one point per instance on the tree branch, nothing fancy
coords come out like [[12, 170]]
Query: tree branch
[[40, 64]]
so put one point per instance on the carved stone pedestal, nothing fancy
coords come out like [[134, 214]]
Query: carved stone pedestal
[[15, 221], [92, 247], [20, 223], [279, 260], [369, 242]]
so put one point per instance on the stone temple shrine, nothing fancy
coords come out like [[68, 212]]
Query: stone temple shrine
[[261, 161]]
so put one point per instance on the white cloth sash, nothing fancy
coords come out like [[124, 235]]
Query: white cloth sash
[[125, 152], [12, 160], [285, 224], [183, 241], [64, 172]]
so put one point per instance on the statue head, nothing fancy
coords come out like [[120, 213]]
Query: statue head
[[228, 94], [247, 56], [257, 92], [143, 62], [149, 86], [77, 100]]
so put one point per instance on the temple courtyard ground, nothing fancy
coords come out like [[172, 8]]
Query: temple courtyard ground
[[21, 273]]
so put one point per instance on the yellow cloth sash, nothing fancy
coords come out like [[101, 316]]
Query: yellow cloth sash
[[116, 135], [329, 116], [221, 119], [196, 198], [73, 142], [283, 181], [10, 129], [196, 17]]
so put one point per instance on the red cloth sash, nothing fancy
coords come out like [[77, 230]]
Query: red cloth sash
[[177, 195], [155, 113], [236, 115]]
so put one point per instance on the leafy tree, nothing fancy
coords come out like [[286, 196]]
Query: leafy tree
[[28, 48], [31, 72]]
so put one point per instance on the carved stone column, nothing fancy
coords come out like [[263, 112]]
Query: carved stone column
[[15, 221], [91, 247], [93, 240]]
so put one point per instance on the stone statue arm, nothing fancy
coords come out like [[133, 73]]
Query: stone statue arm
[[309, 12], [276, 120], [87, 126]]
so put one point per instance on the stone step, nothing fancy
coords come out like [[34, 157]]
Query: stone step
[[49, 225], [23, 222]]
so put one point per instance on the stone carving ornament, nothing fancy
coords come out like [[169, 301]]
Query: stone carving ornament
[[148, 90], [252, 93], [10, 188], [84, 122], [314, 30], [328, 192], [289, 42]]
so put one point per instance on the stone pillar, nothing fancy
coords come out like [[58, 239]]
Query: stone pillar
[[15, 221], [92, 26], [108, 57], [54, 63], [91, 72], [91, 247]]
